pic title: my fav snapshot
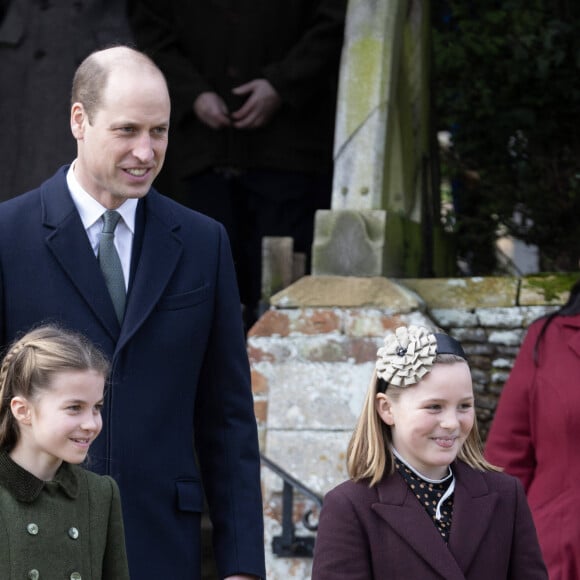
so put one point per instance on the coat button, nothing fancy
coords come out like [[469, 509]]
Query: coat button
[[73, 533], [76, 576], [32, 529], [33, 574]]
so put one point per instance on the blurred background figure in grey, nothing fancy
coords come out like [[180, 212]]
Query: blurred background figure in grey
[[42, 42]]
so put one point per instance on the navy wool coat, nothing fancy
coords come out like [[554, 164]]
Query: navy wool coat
[[383, 532], [180, 372]]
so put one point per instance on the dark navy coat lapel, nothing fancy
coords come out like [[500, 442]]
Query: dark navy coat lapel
[[157, 261], [68, 241], [400, 509]]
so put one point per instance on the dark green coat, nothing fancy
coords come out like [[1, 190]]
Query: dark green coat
[[70, 527]]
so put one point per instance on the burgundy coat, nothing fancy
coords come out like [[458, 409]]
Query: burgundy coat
[[384, 533], [535, 435]]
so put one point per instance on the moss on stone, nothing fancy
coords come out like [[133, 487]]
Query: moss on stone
[[551, 286]]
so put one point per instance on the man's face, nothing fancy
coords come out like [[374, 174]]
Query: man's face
[[121, 151]]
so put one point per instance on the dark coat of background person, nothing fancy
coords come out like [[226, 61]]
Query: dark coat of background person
[[384, 532], [267, 180], [180, 372], [41, 44], [219, 44], [536, 430]]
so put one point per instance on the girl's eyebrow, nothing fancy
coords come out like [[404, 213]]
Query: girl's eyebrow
[[439, 400], [81, 401]]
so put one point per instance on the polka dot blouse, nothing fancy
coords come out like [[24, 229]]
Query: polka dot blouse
[[436, 496]]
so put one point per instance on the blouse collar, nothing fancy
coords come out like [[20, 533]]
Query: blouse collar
[[418, 473], [26, 487]]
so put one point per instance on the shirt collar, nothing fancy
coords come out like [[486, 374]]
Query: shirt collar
[[90, 210]]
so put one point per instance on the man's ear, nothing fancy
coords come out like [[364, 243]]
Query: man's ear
[[384, 407], [21, 409], [78, 118]]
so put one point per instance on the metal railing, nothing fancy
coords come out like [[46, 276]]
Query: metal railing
[[288, 544]]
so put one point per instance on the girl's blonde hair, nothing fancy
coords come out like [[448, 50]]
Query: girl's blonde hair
[[369, 454], [31, 363]]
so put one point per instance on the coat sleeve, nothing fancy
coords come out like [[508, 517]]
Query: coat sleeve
[[226, 436], [115, 559], [510, 442], [314, 57], [342, 549], [526, 562]]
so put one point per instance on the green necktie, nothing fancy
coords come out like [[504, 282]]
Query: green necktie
[[111, 264]]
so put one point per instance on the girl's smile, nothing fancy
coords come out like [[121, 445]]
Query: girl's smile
[[60, 423], [431, 420]]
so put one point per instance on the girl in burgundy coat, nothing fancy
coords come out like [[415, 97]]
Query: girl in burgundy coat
[[422, 503], [536, 430]]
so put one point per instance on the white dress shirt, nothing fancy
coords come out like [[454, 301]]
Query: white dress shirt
[[91, 213]]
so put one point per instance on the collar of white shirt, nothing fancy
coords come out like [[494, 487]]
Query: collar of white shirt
[[90, 210]]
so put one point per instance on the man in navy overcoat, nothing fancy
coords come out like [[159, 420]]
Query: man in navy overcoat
[[180, 391]]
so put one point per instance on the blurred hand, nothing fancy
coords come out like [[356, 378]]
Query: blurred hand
[[241, 577], [211, 110], [262, 102]]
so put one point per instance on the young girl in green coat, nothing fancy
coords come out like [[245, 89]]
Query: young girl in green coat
[[57, 520]]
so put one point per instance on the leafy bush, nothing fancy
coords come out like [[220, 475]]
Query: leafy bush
[[507, 87]]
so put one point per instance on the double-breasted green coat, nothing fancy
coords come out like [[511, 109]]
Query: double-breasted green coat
[[70, 527]]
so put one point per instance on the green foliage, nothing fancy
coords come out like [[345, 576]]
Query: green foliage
[[507, 86]]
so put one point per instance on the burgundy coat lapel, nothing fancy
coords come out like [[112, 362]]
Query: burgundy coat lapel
[[402, 512], [473, 511]]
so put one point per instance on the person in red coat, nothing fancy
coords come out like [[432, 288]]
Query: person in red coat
[[422, 502], [536, 429]]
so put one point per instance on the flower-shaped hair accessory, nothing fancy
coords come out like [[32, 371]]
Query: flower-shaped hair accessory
[[407, 356]]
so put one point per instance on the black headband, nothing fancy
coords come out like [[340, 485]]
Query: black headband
[[448, 345]]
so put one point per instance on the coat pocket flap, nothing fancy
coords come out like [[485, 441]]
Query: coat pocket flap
[[185, 299], [189, 495]]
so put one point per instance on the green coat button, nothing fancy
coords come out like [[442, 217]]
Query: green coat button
[[75, 576], [73, 533], [32, 529], [33, 574]]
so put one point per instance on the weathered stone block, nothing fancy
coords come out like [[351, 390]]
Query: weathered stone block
[[347, 292], [507, 337], [454, 317], [259, 383], [548, 289], [273, 322], [466, 335], [316, 395], [500, 317], [323, 467], [465, 293], [348, 243]]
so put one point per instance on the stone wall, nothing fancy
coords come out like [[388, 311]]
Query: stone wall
[[312, 356]]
